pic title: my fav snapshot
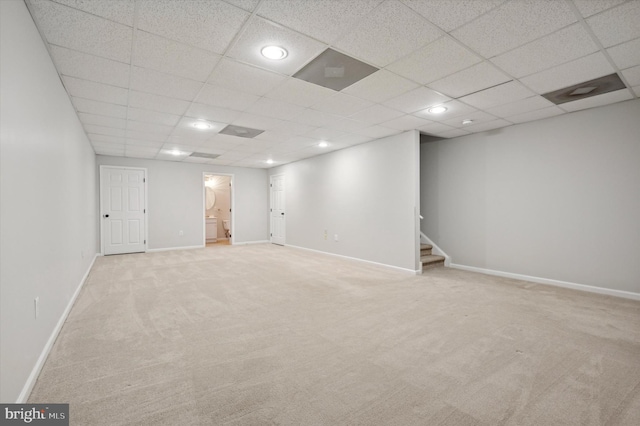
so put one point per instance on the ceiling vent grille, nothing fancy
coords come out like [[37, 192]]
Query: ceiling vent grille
[[242, 132], [334, 70], [204, 155], [598, 86]]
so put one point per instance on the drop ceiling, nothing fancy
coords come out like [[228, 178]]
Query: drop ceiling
[[141, 73]]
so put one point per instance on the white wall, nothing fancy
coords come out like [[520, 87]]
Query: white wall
[[557, 198], [175, 200], [367, 194], [48, 197]]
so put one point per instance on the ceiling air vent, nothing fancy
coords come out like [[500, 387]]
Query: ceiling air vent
[[243, 132], [601, 85], [204, 155], [334, 70]]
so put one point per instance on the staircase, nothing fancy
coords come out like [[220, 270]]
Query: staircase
[[428, 260]]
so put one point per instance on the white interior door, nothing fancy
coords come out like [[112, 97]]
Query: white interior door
[[277, 209], [122, 204]]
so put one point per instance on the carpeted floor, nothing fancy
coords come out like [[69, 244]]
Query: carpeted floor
[[263, 335]]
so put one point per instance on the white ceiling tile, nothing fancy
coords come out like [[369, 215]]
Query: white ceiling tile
[[454, 109], [452, 133], [146, 136], [247, 5], [140, 126], [636, 90], [300, 92], [342, 104], [186, 141], [120, 11], [473, 79], [210, 25], [563, 46], [226, 98], [351, 139], [106, 139], [207, 112], [102, 130], [260, 122], [276, 109], [434, 61], [632, 75], [416, 100], [591, 7], [325, 134], [574, 72], [142, 143], [294, 128], [99, 108], [519, 107], [345, 124], [324, 20], [102, 120], [114, 152], [513, 24], [499, 95], [195, 160], [170, 57], [96, 91], [315, 118], [140, 151], [536, 115], [90, 67], [376, 114], [489, 125], [245, 78], [158, 103], [376, 131], [448, 14], [380, 86], [406, 122], [435, 127], [626, 55], [71, 28], [150, 81], [476, 116], [147, 116], [301, 49], [617, 25], [599, 100], [388, 33]]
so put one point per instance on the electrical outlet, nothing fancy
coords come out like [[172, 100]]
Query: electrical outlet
[[36, 306], [180, 233], [335, 237]]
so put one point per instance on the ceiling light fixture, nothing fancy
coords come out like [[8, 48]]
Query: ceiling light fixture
[[269, 161], [467, 121], [323, 144], [437, 109], [201, 125], [175, 152], [275, 53]]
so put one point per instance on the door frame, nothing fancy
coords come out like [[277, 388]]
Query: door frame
[[232, 206], [271, 208], [146, 205]]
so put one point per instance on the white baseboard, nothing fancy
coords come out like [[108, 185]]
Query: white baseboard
[[547, 281], [35, 372], [243, 243], [357, 259], [437, 250], [176, 248]]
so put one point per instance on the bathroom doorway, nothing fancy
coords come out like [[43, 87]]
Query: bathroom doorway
[[217, 196]]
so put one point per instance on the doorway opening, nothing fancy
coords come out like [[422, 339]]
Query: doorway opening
[[217, 208]]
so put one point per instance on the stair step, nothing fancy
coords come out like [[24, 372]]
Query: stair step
[[431, 261], [425, 249]]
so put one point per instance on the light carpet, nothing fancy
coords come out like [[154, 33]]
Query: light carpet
[[269, 335]]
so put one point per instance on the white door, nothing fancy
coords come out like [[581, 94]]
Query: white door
[[123, 215], [277, 209]]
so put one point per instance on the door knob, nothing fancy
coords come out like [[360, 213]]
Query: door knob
[[106, 215], [282, 213]]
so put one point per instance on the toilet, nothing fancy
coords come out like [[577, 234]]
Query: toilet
[[225, 226]]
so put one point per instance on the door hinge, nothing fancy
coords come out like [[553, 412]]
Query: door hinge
[[271, 235], [145, 241], [144, 180], [271, 185], [144, 210]]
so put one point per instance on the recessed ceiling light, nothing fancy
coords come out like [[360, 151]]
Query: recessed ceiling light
[[175, 152], [269, 161], [437, 109], [274, 52], [323, 144], [202, 125], [467, 121]]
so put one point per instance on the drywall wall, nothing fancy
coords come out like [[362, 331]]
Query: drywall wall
[[48, 190], [367, 194], [557, 198], [175, 201]]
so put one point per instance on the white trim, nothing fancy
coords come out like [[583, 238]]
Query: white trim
[[357, 259], [175, 248], [37, 368], [244, 243], [547, 281], [436, 249]]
